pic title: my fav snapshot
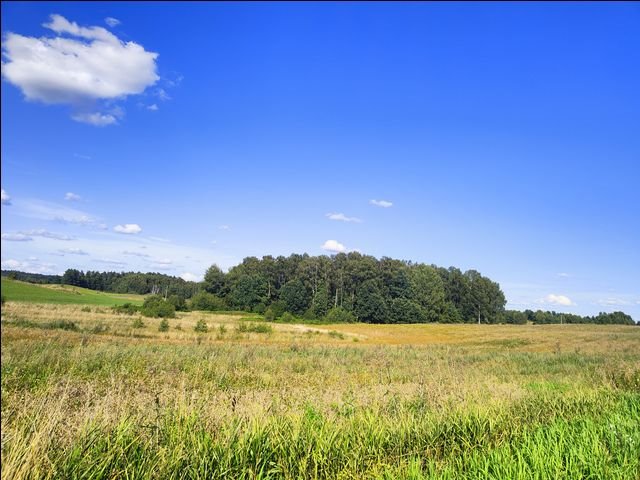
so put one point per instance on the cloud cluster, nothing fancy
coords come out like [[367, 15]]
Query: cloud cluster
[[31, 266], [16, 237], [28, 235], [341, 217], [78, 66], [190, 277], [128, 228]]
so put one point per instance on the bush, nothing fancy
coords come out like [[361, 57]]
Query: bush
[[201, 326], [164, 325], [287, 317], [138, 323], [126, 309], [206, 301], [339, 315], [259, 308], [269, 315], [178, 302], [278, 308], [157, 307], [254, 328]]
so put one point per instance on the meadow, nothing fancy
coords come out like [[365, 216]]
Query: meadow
[[18, 291], [87, 393]]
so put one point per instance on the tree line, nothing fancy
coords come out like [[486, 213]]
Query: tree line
[[342, 287]]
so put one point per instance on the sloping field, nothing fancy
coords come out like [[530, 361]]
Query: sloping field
[[16, 291]]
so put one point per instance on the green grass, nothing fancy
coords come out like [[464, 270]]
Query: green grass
[[17, 291]]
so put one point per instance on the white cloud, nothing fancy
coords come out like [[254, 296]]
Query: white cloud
[[341, 217], [128, 228], [224, 227], [163, 261], [333, 246], [28, 266], [73, 251], [5, 198], [72, 197], [112, 22], [162, 94], [84, 157], [381, 203], [109, 261], [96, 118], [614, 302], [564, 275], [16, 237], [554, 299], [190, 277], [47, 234], [136, 254], [153, 107], [93, 65], [52, 211]]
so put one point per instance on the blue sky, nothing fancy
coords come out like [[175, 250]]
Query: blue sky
[[504, 137]]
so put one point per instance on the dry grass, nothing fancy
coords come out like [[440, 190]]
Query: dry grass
[[59, 384]]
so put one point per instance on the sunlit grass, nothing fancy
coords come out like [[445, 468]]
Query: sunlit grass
[[249, 399]]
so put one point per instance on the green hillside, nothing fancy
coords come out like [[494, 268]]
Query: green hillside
[[16, 291]]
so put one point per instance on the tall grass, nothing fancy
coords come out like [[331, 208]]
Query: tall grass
[[285, 404]]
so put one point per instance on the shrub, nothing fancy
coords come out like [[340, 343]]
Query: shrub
[[259, 308], [138, 323], [178, 302], [278, 308], [155, 306], [269, 315], [254, 328], [85, 309], [206, 301], [287, 317], [126, 309], [164, 325], [201, 326], [339, 315]]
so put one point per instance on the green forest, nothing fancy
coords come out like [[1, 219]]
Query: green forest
[[341, 288]]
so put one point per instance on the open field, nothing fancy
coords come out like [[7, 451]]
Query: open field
[[87, 395], [17, 291]]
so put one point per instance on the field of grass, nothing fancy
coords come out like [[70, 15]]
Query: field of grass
[[90, 394], [17, 291]]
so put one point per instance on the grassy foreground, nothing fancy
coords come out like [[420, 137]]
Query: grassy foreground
[[17, 291], [87, 395]]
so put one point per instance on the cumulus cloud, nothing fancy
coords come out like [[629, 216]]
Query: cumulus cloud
[[554, 299], [333, 246], [5, 198], [16, 237], [72, 197], [341, 217], [381, 203], [112, 22], [77, 66], [153, 107], [128, 228]]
